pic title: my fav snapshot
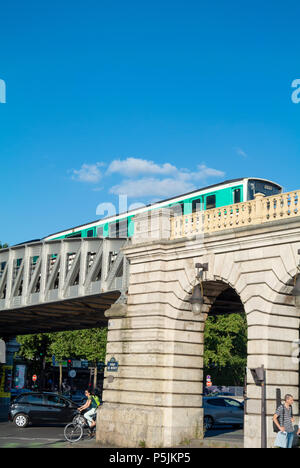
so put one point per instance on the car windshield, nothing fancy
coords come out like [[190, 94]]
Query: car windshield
[[234, 403]]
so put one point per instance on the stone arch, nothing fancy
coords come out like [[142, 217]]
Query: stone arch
[[268, 304], [214, 286]]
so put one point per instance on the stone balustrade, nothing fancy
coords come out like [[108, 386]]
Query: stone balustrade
[[260, 210]]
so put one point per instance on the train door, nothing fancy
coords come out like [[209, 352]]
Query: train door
[[237, 194]]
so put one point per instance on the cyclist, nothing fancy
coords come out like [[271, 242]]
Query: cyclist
[[92, 404]]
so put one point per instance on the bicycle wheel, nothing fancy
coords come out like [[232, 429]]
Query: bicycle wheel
[[73, 432]]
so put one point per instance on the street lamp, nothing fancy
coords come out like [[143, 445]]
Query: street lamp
[[296, 288], [197, 299]]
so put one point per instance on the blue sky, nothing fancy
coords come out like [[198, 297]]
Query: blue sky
[[145, 98]]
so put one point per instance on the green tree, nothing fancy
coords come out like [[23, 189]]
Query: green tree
[[34, 347], [225, 351], [3, 246], [76, 344], [87, 344]]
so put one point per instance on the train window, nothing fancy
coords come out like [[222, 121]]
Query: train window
[[123, 228], [113, 229], [210, 202], [90, 233], [236, 195], [177, 209], [118, 229], [262, 186], [196, 205], [76, 234], [100, 231]]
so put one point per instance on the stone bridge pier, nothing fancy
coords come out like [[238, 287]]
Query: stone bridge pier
[[155, 397]]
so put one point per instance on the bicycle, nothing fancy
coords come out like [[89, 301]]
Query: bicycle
[[74, 431]]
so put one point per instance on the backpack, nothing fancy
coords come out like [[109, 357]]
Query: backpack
[[96, 400], [275, 428]]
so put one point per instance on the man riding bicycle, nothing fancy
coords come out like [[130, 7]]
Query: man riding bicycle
[[92, 402]]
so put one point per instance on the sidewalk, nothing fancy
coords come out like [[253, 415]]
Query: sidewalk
[[212, 443], [192, 444]]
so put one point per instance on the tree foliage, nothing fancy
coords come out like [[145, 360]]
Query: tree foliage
[[87, 344], [225, 351], [80, 344], [34, 346], [3, 246]]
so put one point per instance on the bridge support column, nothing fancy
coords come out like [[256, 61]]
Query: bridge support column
[[6, 371], [155, 398]]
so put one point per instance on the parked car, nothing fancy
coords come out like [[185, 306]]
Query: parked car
[[18, 391], [41, 408], [222, 410]]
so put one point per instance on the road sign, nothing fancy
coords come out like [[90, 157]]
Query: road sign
[[208, 381], [72, 373], [112, 365], [34, 377]]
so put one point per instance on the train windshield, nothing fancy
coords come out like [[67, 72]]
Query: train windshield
[[262, 186]]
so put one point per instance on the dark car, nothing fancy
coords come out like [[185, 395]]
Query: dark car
[[15, 392], [41, 408], [220, 410]]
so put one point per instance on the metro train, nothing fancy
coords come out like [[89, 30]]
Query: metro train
[[213, 196]]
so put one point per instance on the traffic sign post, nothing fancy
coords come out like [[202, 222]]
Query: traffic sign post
[[208, 381]]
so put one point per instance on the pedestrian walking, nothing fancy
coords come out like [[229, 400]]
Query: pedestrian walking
[[284, 420]]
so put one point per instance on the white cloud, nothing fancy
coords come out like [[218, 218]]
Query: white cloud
[[88, 173], [143, 179], [152, 187], [132, 167], [179, 181], [241, 152], [205, 172]]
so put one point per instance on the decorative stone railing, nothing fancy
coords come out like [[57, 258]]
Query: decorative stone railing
[[260, 210]]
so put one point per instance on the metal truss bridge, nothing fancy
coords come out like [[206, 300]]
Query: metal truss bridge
[[60, 284]]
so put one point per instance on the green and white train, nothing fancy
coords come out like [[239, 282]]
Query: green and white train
[[213, 196]]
